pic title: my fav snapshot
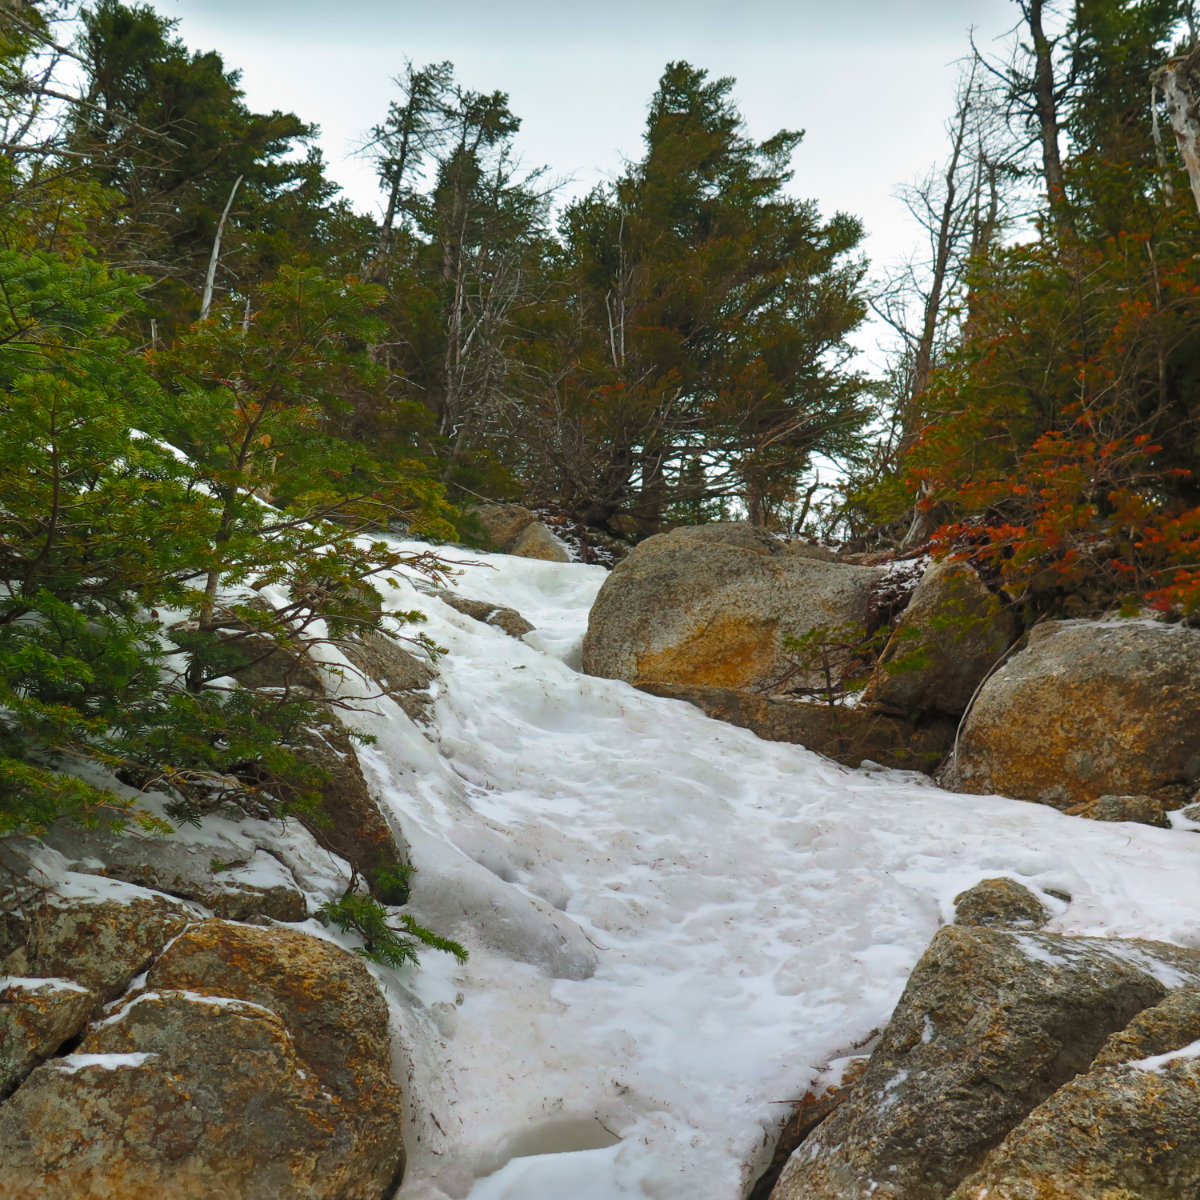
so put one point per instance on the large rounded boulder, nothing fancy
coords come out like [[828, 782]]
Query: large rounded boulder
[[950, 635], [255, 1063], [994, 1026], [1088, 709], [711, 605]]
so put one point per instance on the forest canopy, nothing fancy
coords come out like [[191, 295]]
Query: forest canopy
[[216, 375]]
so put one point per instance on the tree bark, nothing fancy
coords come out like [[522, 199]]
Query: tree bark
[[943, 246], [1046, 109], [1179, 82], [211, 277]]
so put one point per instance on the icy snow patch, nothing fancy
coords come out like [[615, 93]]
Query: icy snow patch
[[25, 983], [752, 910], [673, 925]]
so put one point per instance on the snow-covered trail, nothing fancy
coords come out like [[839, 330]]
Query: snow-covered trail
[[754, 910]]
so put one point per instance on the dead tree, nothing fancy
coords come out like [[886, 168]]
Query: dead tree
[[1178, 81]]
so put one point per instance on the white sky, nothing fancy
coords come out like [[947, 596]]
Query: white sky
[[871, 81]]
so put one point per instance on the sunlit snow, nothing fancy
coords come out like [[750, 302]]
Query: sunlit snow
[[751, 910]]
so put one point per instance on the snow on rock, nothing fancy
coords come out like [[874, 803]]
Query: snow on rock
[[1156, 1062], [673, 925], [71, 1063]]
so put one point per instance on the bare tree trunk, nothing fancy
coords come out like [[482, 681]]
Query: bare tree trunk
[[1179, 82], [376, 265], [944, 240], [647, 511], [210, 278], [605, 495], [1160, 154], [1046, 108], [756, 500]]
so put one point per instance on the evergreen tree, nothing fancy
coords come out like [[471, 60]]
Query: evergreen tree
[[464, 265], [712, 312], [167, 131]]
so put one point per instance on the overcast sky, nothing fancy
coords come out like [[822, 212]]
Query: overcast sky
[[870, 81]]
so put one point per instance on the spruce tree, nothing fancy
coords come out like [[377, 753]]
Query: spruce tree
[[715, 309]]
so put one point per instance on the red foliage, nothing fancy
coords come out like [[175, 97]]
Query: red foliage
[[1065, 431]]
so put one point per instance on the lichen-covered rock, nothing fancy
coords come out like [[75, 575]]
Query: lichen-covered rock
[[1088, 709], [1000, 903], [950, 635], [507, 619], [100, 944], [819, 1102], [267, 665], [36, 1017], [536, 541], [710, 606], [990, 1025], [847, 735], [209, 1094], [1145, 810], [328, 1002], [1124, 1130], [1167, 1026], [504, 523], [184, 868], [254, 659], [812, 550], [399, 673], [350, 821], [275, 902], [390, 665]]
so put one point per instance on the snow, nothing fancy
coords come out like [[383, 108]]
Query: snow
[[71, 1063], [675, 928], [673, 925], [124, 1007], [1166, 974], [25, 983], [1156, 1062]]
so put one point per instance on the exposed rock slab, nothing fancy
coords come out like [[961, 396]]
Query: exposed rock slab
[[989, 1026], [180, 868], [507, 619], [1088, 709], [847, 735], [1145, 810], [1000, 904], [400, 674], [389, 664], [256, 1067], [351, 823], [36, 1017], [1169, 1025], [255, 659], [537, 541], [811, 1109], [100, 944], [710, 606], [504, 523], [267, 665], [1124, 1130], [325, 996], [950, 635]]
